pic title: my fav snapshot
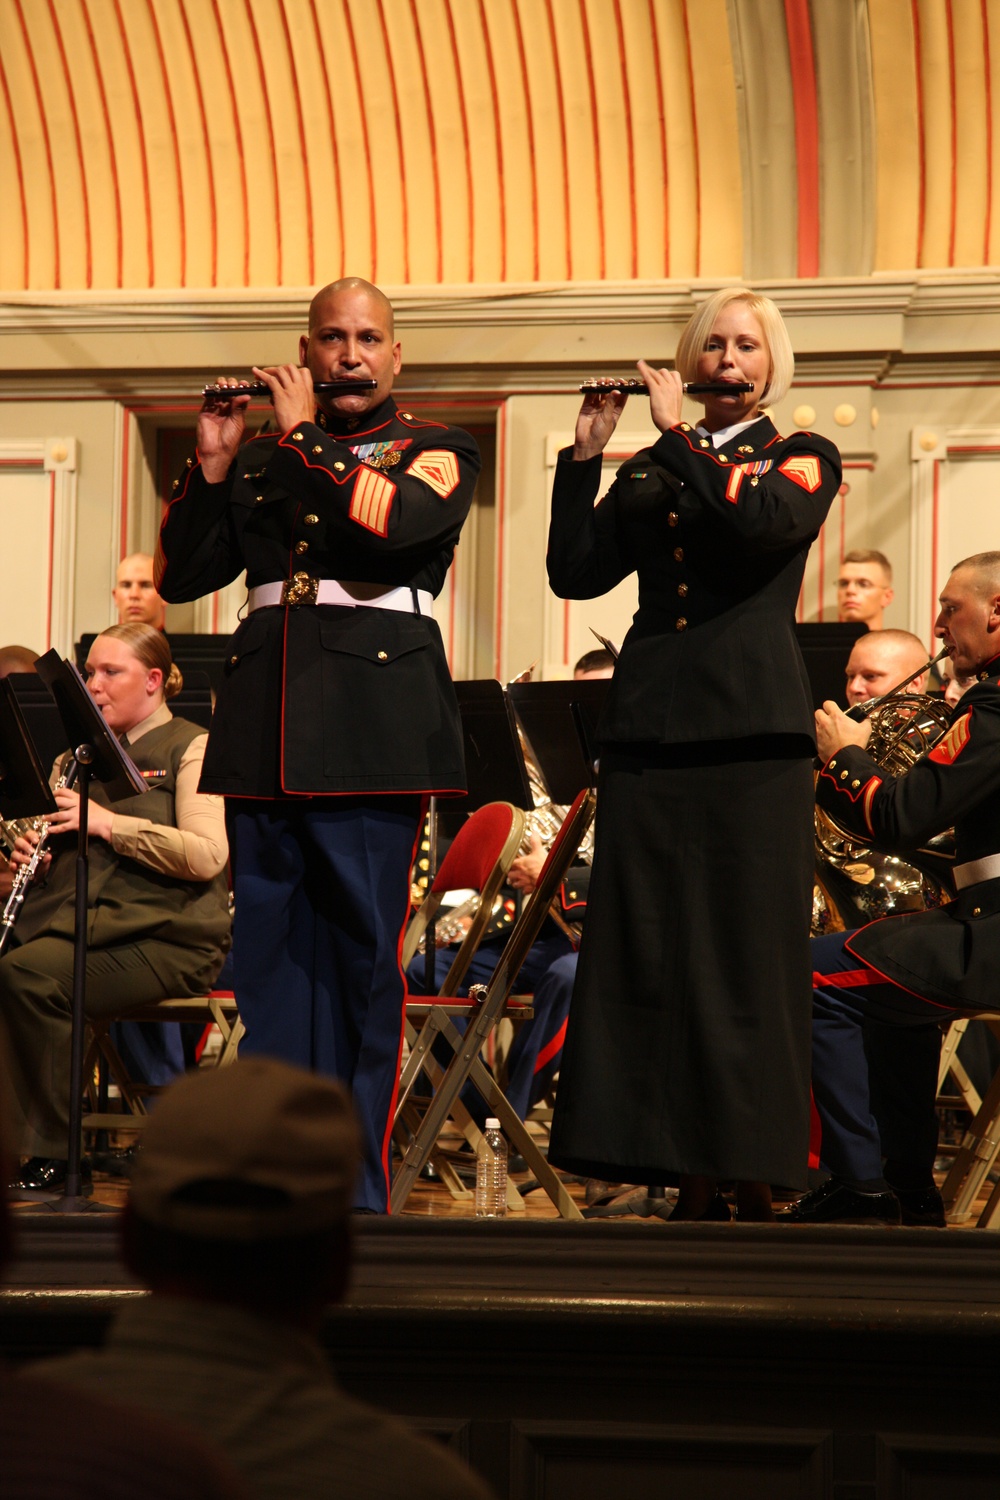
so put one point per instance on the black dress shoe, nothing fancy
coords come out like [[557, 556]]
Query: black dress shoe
[[46, 1175], [921, 1206], [836, 1203]]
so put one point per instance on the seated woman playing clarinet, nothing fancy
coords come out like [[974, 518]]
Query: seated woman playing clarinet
[[158, 910], [687, 1052]]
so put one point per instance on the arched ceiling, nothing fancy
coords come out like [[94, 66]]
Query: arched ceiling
[[280, 143]]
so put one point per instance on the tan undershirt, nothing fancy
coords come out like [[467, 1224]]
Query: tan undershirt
[[196, 849]]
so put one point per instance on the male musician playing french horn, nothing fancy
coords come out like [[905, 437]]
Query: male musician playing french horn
[[920, 968], [337, 715]]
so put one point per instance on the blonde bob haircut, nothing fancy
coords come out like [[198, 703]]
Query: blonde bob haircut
[[696, 334]]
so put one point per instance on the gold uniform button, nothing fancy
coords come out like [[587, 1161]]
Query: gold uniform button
[[317, 447], [406, 416], [301, 547], [844, 775], [672, 518], [310, 520], [722, 458], [855, 783], [977, 911], [682, 589], [685, 427], [703, 442], [682, 624], [383, 656], [833, 765], [754, 482], [258, 498], [233, 660], [338, 466], [177, 484], [297, 437], [678, 554]]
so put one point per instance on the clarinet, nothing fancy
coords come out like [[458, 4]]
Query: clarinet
[[26, 873]]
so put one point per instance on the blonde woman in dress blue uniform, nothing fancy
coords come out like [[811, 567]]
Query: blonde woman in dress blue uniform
[[687, 1054]]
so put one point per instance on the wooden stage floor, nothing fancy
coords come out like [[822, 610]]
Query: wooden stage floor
[[576, 1361]]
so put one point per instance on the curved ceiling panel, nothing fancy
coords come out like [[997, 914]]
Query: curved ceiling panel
[[267, 143], [243, 143]]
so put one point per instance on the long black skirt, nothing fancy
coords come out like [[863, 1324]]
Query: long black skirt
[[688, 1045]]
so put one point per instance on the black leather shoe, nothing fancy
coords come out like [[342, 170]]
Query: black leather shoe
[[921, 1206], [836, 1203], [46, 1176]]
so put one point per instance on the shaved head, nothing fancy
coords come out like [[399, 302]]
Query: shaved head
[[350, 284]]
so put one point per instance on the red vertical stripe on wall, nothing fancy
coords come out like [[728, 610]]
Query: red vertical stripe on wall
[[661, 115], [300, 125], [40, 99], [363, 122], [561, 112], [623, 68], [989, 132], [596, 129], [78, 145], [143, 155], [269, 118], [530, 126], [470, 178], [404, 225], [921, 145], [432, 134], [18, 171], [800, 54], [953, 121], [331, 131], [238, 141], [112, 158], [694, 139], [174, 140], [213, 212], [501, 195]]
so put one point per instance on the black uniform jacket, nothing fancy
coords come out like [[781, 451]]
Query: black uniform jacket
[[719, 539], [951, 955], [328, 698]]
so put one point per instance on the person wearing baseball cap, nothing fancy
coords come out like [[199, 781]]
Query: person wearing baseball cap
[[238, 1223]]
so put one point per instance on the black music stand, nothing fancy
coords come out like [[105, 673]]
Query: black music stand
[[494, 767], [99, 757], [24, 787], [559, 720]]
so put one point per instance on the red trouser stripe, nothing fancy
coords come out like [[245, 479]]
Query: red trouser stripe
[[550, 1049], [849, 979]]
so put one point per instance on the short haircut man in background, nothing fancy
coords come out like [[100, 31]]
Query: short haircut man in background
[[864, 587], [134, 593]]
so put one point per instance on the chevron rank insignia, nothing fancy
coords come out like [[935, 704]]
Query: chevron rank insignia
[[371, 501], [951, 745], [437, 467], [803, 470]]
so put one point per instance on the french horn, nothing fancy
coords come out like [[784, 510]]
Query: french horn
[[856, 882]]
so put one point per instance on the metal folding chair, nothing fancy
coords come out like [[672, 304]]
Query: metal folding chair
[[479, 857], [484, 1008], [218, 1007], [977, 1153]]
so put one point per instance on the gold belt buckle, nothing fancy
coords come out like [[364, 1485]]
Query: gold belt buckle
[[300, 589]]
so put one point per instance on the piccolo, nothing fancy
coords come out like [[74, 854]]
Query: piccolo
[[633, 386], [258, 388]]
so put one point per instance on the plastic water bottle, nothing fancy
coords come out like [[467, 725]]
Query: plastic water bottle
[[491, 1173]]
